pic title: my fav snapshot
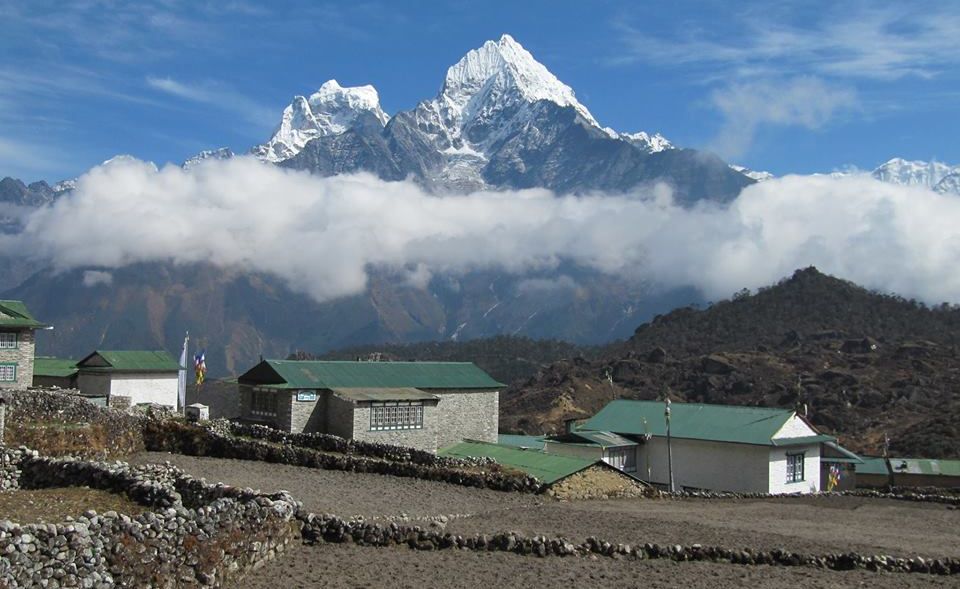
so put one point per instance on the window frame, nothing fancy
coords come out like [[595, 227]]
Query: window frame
[[626, 458], [16, 371], [396, 416], [796, 468], [16, 340], [263, 402]]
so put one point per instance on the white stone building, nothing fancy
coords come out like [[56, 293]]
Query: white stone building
[[130, 377], [718, 447], [17, 327]]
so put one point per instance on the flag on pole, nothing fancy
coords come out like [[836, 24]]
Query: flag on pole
[[200, 366], [182, 374]]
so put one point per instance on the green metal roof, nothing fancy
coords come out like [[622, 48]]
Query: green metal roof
[[129, 361], [719, 423], [548, 468], [54, 367], [298, 374], [872, 465], [515, 441], [848, 456], [398, 394], [15, 314], [603, 439]]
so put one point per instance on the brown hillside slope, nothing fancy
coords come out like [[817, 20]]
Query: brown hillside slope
[[863, 364]]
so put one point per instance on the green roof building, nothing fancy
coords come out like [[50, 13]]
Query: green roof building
[[715, 447], [17, 344], [424, 405], [874, 471], [130, 377]]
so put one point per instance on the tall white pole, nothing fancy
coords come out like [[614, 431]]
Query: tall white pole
[[182, 375], [666, 414]]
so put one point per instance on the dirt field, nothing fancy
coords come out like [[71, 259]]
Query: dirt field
[[29, 506], [815, 525]]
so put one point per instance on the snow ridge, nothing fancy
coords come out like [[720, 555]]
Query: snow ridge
[[331, 110], [913, 173]]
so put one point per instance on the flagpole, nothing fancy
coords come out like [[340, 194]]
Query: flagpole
[[182, 374]]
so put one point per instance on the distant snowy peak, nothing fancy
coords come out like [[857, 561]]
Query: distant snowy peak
[[332, 110], [913, 173], [499, 75], [950, 184], [222, 153], [759, 176], [648, 143]]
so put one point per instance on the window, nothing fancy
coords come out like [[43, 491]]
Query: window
[[394, 416], [624, 458], [8, 340], [8, 372], [263, 402], [795, 467]]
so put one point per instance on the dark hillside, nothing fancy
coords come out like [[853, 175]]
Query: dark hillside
[[862, 364]]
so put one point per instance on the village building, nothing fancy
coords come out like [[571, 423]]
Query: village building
[[718, 447], [838, 467], [614, 449], [17, 345], [565, 477], [423, 405], [878, 472], [58, 373], [130, 377]]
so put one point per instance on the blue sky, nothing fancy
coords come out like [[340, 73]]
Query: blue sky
[[780, 86]]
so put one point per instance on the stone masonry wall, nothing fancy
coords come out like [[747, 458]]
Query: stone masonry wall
[[421, 439], [195, 535], [466, 415], [22, 356]]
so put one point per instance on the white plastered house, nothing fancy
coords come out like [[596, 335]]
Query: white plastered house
[[718, 447], [130, 377]]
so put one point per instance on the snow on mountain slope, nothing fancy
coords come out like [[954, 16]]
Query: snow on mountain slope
[[913, 173], [950, 184], [759, 176], [330, 111], [648, 143], [222, 153]]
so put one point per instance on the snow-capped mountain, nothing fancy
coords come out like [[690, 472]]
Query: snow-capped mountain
[[643, 141], [913, 173], [759, 176], [500, 120], [221, 153], [949, 184], [331, 110]]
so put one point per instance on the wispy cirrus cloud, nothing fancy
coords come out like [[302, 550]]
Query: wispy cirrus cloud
[[868, 41], [216, 94]]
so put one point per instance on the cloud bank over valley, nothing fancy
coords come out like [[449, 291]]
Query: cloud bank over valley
[[324, 235]]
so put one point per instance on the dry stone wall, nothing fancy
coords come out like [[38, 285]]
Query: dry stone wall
[[195, 534]]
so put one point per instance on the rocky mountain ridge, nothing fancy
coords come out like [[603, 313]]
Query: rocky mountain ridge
[[863, 365]]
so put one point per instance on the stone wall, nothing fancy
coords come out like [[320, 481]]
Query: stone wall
[[195, 535], [62, 421], [468, 415], [599, 482], [22, 356], [424, 438]]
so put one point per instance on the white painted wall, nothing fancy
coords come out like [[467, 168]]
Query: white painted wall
[[146, 388], [794, 428], [811, 470], [717, 466]]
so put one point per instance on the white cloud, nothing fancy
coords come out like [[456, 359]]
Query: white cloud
[[805, 101], [217, 95], [95, 277], [322, 235], [849, 40]]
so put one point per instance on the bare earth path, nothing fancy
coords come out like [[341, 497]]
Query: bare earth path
[[808, 525]]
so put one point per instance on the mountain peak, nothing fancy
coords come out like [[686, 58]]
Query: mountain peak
[[913, 173], [503, 71], [331, 110]]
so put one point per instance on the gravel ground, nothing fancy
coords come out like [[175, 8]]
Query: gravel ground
[[348, 493], [31, 506], [816, 525], [343, 566]]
